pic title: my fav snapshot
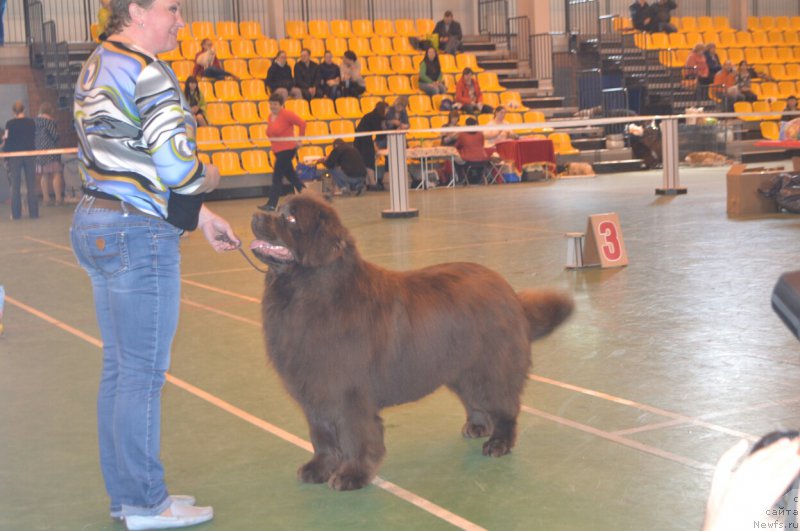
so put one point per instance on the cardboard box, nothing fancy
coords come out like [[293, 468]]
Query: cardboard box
[[743, 183]]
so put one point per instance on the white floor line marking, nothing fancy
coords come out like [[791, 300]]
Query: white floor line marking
[[388, 486], [704, 467], [650, 427], [222, 291], [49, 244], [644, 407], [223, 313]]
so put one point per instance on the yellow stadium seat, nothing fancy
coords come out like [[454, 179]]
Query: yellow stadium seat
[[770, 130], [227, 90], [245, 112], [794, 22], [235, 137], [250, 29], [782, 23], [785, 55], [657, 41], [484, 119], [405, 27], [258, 134], [420, 105], [765, 106], [362, 28], [678, 40], [721, 23], [449, 82], [537, 117], [767, 23], [744, 38], [753, 56], [438, 120], [237, 67], [336, 45], [243, 49], [296, 29], [227, 162], [207, 89], [208, 139], [292, 47], [367, 104], [360, 46], [693, 37], [769, 56], [705, 24], [709, 37], [792, 71], [172, 55], [778, 72], [182, 69], [489, 82], [753, 23], [436, 100], [769, 90], [227, 30], [775, 37], [256, 161], [223, 50], [347, 107], [562, 144], [203, 29], [511, 99], [688, 24], [315, 46], [401, 45], [468, 60], [258, 67], [415, 123], [745, 107], [323, 109], [727, 39], [376, 85], [253, 89], [425, 26], [759, 38], [318, 128], [342, 129], [402, 64], [204, 158], [786, 89], [400, 84], [735, 55], [778, 106], [381, 45], [790, 37], [448, 64], [379, 65], [185, 34], [384, 27], [190, 49], [219, 114], [319, 29], [310, 151], [341, 28], [266, 47], [300, 108]]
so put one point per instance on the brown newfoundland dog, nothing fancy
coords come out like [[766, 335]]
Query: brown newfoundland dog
[[350, 338]]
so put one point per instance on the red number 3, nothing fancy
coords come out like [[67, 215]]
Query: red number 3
[[611, 247]]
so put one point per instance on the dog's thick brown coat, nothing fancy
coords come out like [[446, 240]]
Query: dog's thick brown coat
[[349, 338]]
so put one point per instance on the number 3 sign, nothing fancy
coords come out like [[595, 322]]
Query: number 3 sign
[[604, 245]]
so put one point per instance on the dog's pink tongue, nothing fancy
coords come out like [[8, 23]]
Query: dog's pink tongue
[[257, 244]]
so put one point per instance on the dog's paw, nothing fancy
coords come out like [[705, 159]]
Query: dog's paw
[[349, 479], [473, 430], [496, 447], [315, 471]]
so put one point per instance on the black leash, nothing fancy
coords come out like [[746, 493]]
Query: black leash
[[224, 238]]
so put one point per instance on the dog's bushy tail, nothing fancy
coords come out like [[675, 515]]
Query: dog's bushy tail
[[545, 310]]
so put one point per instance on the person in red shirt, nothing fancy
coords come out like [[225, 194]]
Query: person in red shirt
[[470, 149], [468, 93], [281, 124], [207, 64]]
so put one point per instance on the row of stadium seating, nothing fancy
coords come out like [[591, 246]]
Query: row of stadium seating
[[783, 56], [700, 24], [729, 39]]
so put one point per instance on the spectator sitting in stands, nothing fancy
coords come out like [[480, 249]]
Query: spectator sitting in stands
[[725, 85], [306, 74], [196, 100], [791, 106], [498, 135], [280, 80], [642, 16], [353, 83], [712, 59], [330, 77], [207, 64], [449, 139], [661, 14], [468, 94], [347, 167], [471, 151], [449, 32], [430, 74], [744, 81], [696, 67]]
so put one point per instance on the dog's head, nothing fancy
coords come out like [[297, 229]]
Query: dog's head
[[304, 231]]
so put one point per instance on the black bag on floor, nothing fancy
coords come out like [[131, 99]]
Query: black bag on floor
[[786, 300], [785, 190]]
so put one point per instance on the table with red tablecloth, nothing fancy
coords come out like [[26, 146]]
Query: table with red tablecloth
[[525, 150]]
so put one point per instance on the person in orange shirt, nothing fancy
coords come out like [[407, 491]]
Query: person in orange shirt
[[281, 124], [696, 65], [468, 94], [725, 85]]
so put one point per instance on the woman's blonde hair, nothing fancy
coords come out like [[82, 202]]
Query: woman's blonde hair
[[120, 14]]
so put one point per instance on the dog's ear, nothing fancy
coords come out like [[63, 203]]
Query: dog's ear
[[327, 244]]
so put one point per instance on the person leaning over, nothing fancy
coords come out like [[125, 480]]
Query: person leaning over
[[449, 32], [347, 167], [281, 124], [20, 135], [471, 151], [306, 75], [143, 187]]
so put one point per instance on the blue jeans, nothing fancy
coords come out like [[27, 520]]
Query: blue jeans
[[2, 27], [133, 261], [344, 181], [431, 90], [17, 165]]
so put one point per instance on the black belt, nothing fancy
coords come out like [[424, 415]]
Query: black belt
[[91, 202]]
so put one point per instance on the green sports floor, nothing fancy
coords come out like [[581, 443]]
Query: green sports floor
[[665, 364]]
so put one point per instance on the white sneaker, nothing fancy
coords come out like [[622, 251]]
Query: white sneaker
[[184, 499], [180, 515]]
